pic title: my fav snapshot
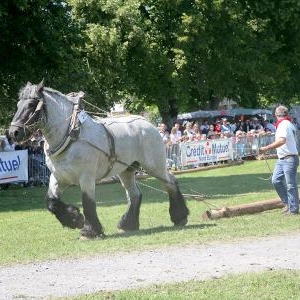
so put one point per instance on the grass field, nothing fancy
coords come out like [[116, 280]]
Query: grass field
[[28, 232], [275, 285]]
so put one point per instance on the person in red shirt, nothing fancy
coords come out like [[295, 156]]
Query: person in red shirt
[[218, 126]]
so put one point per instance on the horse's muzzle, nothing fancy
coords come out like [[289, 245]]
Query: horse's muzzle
[[16, 132]]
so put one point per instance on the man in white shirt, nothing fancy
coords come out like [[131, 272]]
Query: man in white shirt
[[164, 133], [178, 131], [284, 176]]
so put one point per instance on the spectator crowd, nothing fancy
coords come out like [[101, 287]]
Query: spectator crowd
[[187, 131], [34, 144], [220, 128], [37, 170]]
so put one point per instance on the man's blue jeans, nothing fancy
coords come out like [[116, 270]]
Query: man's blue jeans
[[284, 180]]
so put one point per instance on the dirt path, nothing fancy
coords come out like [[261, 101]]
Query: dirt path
[[137, 269]]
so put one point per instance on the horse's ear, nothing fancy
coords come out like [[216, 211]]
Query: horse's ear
[[40, 86]]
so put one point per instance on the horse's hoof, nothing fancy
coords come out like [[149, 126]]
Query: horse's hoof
[[90, 238], [87, 234], [126, 230], [80, 221], [183, 222]]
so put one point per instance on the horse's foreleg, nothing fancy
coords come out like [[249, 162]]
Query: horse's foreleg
[[130, 219], [67, 214], [92, 226]]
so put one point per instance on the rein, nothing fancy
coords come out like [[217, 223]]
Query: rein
[[36, 114], [39, 115], [266, 179]]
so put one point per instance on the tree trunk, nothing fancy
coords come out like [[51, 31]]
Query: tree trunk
[[244, 209], [168, 111], [213, 102]]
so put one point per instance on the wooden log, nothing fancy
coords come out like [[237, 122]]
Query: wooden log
[[244, 209]]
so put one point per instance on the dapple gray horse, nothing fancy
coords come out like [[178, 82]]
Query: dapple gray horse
[[80, 149]]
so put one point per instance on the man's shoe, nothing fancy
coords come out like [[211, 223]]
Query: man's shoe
[[285, 209]]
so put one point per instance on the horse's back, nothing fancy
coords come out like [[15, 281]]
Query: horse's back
[[131, 126], [136, 139]]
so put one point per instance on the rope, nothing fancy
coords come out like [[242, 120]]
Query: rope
[[95, 113], [266, 179], [185, 195], [151, 187], [98, 108]]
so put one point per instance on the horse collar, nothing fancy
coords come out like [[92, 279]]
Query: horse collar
[[71, 134]]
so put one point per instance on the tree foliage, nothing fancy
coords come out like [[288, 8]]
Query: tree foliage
[[178, 55], [37, 41], [275, 26], [184, 55]]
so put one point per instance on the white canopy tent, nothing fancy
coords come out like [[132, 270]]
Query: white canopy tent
[[205, 114]]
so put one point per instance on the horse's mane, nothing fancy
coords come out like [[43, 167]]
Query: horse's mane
[[52, 91], [29, 91]]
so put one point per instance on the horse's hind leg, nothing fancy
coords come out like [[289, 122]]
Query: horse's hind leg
[[178, 209], [130, 219], [177, 206], [67, 214]]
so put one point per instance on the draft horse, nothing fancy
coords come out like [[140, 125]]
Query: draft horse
[[81, 149]]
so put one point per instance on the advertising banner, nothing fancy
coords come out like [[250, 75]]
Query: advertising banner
[[206, 151], [13, 166]]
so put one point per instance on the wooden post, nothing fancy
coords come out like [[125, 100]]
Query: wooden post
[[244, 209]]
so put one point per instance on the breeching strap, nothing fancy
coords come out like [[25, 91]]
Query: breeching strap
[[112, 156]]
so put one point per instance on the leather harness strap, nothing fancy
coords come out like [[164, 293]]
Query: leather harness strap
[[69, 136], [112, 149], [32, 120]]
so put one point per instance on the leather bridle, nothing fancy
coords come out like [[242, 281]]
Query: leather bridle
[[37, 116]]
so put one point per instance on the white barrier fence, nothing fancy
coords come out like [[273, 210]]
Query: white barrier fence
[[199, 153], [13, 166], [38, 172], [19, 166]]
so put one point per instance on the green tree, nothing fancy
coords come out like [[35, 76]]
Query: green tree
[[275, 25], [178, 55], [37, 41], [131, 51]]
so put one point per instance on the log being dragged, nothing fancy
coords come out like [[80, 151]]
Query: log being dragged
[[243, 209]]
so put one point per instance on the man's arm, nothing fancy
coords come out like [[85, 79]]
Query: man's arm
[[279, 142]]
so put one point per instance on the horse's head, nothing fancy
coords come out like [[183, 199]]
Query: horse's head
[[30, 111]]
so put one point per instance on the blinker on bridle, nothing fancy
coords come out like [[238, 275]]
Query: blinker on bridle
[[32, 120]]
